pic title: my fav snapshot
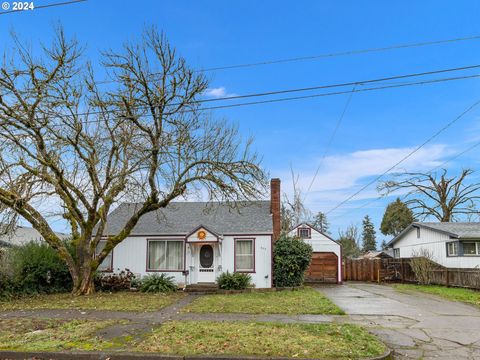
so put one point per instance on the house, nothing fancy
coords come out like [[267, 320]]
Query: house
[[22, 235], [326, 265], [195, 242], [454, 245], [371, 255]]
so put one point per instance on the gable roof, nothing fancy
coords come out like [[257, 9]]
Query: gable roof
[[314, 228], [23, 234], [180, 218], [457, 230]]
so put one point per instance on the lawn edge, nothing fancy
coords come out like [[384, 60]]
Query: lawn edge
[[103, 355]]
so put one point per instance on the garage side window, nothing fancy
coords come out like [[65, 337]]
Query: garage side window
[[304, 233], [396, 253], [245, 255]]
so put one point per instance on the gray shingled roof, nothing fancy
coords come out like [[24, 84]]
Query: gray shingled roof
[[180, 218], [466, 230], [459, 230]]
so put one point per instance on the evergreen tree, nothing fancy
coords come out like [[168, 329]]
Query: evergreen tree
[[320, 222], [384, 245], [368, 235], [396, 218]]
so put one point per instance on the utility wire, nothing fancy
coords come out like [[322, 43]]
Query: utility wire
[[330, 140], [470, 108], [470, 148], [424, 82], [43, 6], [343, 53]]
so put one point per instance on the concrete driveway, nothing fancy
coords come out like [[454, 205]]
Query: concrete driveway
[[415, 325]]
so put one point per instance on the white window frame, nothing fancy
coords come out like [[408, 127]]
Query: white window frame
[[453, 244], [182, 267], [477, 248], [308, 230], [252, 240], [396, 253]]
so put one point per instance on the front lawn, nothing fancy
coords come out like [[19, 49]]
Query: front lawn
[[455, 294], [306, 301], [264, 339], [120, 301], [52, 335]]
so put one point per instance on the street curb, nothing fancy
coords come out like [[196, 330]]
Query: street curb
[[76, 355]]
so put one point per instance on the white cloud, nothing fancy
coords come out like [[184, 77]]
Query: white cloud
[[218, 92], [341, 175]]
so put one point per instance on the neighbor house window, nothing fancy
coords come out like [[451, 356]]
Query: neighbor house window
[[452, 249], [396, 253], [165, 255], [471, 248], [304, 233], [107, 263], [418, 233], [245, 255]]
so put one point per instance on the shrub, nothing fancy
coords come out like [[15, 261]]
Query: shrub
[[114, 282], [37, 268], [422, 265], [158, 283], [291, 258], [234, 281]]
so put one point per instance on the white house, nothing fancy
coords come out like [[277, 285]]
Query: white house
[[454, 245], [197, 241], [326, 265]]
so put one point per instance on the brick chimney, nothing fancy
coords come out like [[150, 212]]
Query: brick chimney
[[275, 207]]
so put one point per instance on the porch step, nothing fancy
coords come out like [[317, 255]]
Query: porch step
[[202, 288]]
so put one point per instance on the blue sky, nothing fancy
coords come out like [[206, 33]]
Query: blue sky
[[378, 127]]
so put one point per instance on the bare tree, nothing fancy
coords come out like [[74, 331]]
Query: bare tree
[[294, 210], [82, 146], [443, 197]]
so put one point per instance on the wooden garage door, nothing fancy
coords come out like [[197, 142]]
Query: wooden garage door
[[323, 268]]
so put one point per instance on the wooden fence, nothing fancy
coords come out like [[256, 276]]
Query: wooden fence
[[400, 270]]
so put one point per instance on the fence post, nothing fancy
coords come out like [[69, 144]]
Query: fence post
[[447, 280], [402, 269]]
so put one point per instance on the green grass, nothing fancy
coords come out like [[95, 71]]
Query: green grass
[[52, 335], [120, 301], [264, 339], [455, 294], [306, 301]]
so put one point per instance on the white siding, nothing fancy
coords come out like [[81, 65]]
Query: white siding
[[435, 242], [132, 254], [322, 243]]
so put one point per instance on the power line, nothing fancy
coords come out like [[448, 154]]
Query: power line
[[424, 82], [471, 107], [44, 6], [470, 148], [330, 140], [343, 53]]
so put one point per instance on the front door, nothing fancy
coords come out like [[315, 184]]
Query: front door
[[206, 270]]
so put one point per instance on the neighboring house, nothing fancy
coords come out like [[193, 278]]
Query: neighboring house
[[195, 242], [326, 265], [370, 255], [454, 245], [23, 235]]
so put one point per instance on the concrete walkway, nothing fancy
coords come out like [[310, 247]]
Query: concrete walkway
[[415, 325]]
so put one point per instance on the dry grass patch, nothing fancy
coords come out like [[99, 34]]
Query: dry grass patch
[[52, 335], [262, 339], [120, 301], [306, 301]]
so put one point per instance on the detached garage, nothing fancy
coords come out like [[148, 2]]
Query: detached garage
[[326, 265]]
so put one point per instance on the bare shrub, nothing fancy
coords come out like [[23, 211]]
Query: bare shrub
[[422, 265]]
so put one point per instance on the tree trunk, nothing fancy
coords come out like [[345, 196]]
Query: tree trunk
[[83, 284]]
